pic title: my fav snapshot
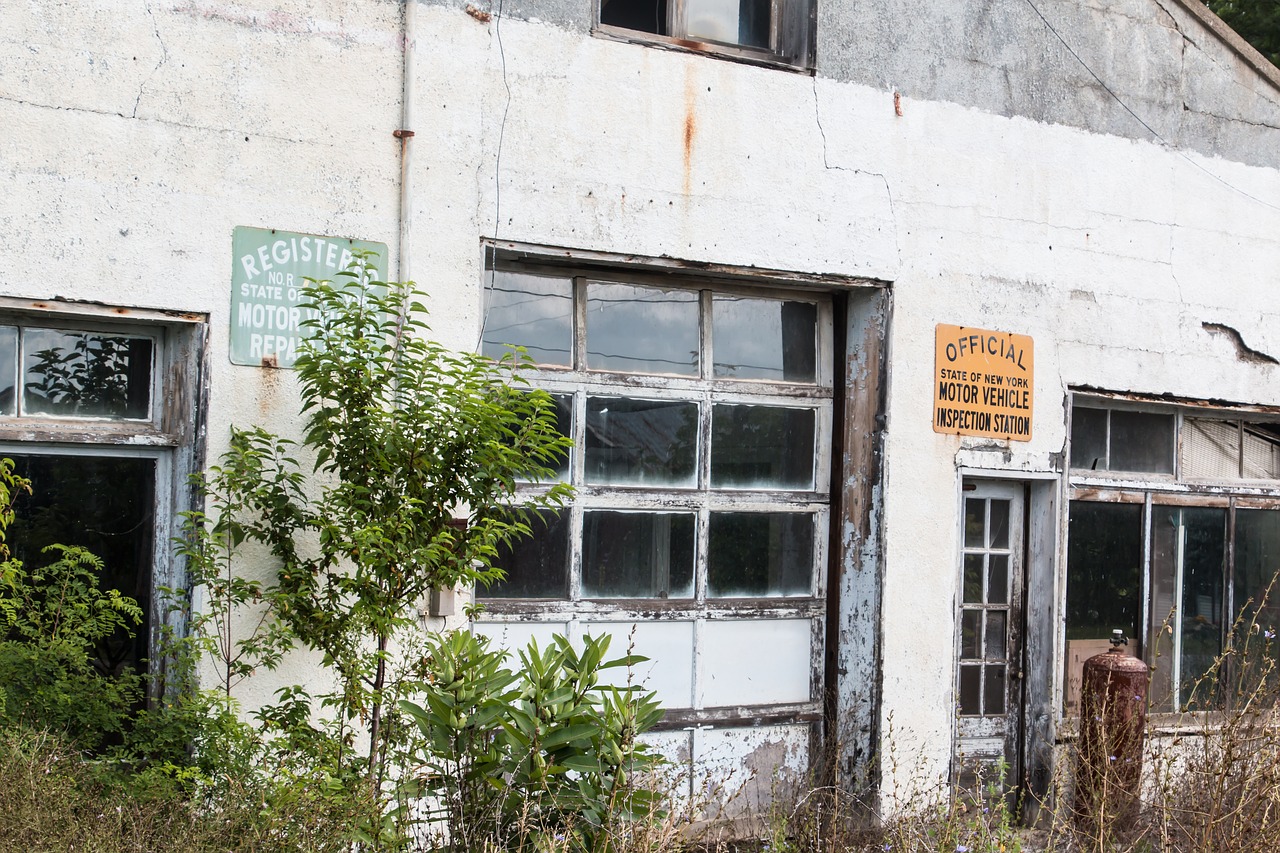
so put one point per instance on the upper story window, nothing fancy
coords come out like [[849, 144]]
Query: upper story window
[[766, 30]]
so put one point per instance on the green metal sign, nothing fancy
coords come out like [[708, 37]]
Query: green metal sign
[[268, 268]]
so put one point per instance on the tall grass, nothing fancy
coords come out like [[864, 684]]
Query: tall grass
[[52, 799]]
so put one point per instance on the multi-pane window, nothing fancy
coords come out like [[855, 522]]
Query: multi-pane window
[[1173, 536], [701, 423], [698, 419], [767, 29], [985, 607], [86, 416]]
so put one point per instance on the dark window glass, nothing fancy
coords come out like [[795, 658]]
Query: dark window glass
[[531, 311], [1104, 570], [8, 369], [998, 579], [642, 329], [536, 566], [105, 505], [637, 555], [83, 374], [1257, 601], [975, 523], [1203, 573], [996, 636], [762, 447], [648, 16], [764, 338], [970, 633], [971, 690], [641, 442], [993, 691], [758, 554], [1257, 593], [1088, 438], [1141, 441], [973, 578], [1196, 537], [998, 535]]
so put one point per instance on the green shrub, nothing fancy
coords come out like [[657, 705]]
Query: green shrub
[[546, 758]]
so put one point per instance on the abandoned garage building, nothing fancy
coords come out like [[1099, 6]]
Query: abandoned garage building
[[908, 349]]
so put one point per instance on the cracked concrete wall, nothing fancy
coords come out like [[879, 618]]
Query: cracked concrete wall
[[1009, 193], [136, 136], [1141, 69], [1144, 69], [1110, 251]]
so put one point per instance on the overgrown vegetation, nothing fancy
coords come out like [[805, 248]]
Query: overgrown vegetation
[[52, 619], [441, 742], [336, 560], [544, 758]]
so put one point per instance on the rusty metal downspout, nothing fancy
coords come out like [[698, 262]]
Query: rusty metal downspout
[[405, 135]]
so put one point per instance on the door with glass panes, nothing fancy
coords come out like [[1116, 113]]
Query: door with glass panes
[[989, 630]]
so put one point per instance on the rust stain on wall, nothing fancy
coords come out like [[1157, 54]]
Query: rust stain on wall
[[690, 129], [269, 381]]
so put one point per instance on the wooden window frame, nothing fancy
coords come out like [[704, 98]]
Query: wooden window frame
[[172, 436], [1151, 490]]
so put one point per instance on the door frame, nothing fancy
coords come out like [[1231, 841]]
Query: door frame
[[1044, 530], [986, 736]]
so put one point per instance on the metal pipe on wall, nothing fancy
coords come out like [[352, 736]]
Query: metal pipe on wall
[[405, 135]]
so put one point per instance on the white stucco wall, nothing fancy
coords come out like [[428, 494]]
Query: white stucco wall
[[1110, 253], [137, 138]]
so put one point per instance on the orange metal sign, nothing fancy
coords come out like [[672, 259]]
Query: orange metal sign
[[982, 383]]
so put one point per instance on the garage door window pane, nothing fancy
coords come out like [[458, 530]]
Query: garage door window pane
[[562, 409], [641, 442], [767, 339], [762, 447], [537, 566], [759, 554], [531, 311], [637, 555], [642, 329]]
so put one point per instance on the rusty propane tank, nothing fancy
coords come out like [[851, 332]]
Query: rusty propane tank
[[1113, 715]]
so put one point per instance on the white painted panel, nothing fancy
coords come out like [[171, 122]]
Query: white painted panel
[[675, 747], [675, 776], [754, 662], [667, 645], [514, 636], [745, 769]]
